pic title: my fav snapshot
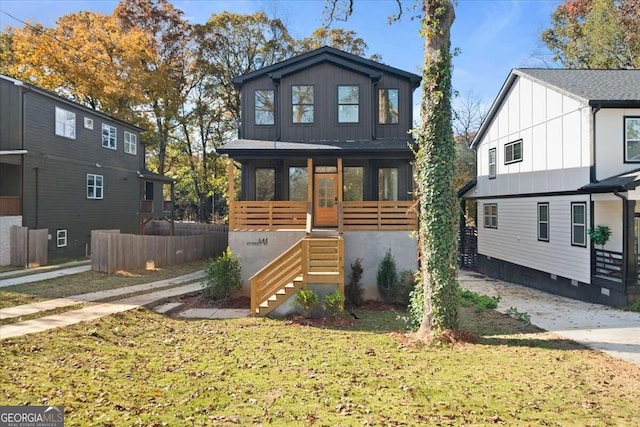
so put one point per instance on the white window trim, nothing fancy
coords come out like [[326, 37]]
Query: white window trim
[[61, 235], [583, 225], [64, 123], [626, 141], [130, 147], [88, 123], [487, 213], [95, 186], [115, 137], [513, 144], [493, 163], [543, 204]]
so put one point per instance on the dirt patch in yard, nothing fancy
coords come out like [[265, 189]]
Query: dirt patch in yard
[[199, 300]]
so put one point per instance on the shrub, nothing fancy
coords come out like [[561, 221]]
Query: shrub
[[416, 303], [334, 304], [387, 277], [222, 276], [353, 290], [306, 300], [406, 283], [481, 302]]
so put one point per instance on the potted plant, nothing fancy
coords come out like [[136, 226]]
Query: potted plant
[[600, 235]]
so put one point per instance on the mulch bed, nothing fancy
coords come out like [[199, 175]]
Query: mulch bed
[[199, 300]]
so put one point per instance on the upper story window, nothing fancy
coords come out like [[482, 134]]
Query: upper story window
[[348, 104], [109, 137], [579, 224], [513, 152], [492, 163], [302, 104], [95, 186], [265, 107], [65, 123], [130, 142], [632, 139], [388, 106], [388, 184]]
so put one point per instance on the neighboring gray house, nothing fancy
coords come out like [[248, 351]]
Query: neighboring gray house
[[559, 154], [325, 153], [70, 169]]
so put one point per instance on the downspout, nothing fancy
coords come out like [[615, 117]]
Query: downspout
[[374, 85], [276, 101], [36, 194], [592, 168], [628, 250]]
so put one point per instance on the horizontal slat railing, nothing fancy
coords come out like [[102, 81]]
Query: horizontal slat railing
[[251, 215], [608, 265], [9, 205], [379, 215], [146, 205]]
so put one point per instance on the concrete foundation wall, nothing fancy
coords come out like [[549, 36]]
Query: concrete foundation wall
[[6, 222]]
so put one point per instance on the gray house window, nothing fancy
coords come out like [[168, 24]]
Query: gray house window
[[130, 143], [490, 215], [348, 104], [543, 222], [65, 123], [61, 238], [579, 224], [298, 183], [109, 138], [632, 139], [302, 104], [492, 163], [265, 184], [388, 184], [95, 186], [513, 152], [265, 107], [388, 106], [353, 177]]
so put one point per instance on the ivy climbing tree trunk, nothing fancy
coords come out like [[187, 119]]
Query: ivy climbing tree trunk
[[435, 174]]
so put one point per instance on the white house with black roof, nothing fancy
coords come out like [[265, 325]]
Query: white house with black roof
[[557, 156], [325, 156]]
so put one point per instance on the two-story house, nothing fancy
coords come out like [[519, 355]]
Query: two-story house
[[70, 169], [326, 174], [557, 156]]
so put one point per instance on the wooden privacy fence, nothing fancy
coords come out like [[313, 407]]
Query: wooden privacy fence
[[112, 251], [163, 228], [28, 247]]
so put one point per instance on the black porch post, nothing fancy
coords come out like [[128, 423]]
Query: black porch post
[[629, 244]]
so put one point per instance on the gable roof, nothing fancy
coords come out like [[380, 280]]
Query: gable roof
[[602, 88], [373, 69]]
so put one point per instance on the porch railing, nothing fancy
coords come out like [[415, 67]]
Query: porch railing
[[252, 215], [166, 206], [379, 215], [146, 205], [9, 205], [608, 265]]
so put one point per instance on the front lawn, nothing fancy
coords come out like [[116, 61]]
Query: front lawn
[[140, 368]]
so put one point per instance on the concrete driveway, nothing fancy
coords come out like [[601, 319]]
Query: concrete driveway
[[613, 331]]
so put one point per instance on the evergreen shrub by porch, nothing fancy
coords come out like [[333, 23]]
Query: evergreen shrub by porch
[[334, 304], [306, 300], [387, 277], [222, 276], [353, 290]]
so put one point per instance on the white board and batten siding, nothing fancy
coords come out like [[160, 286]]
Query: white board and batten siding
[[516, 238], [610, 150], [556, 132]]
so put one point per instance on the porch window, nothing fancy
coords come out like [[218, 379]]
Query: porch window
[[513, 152], [490, 215], [130, 143], [492, 163], [265, 107], [61, 238], [579, 224], [543, 222], [348, 104], [265, 184], [353, 177], [109, 138], [302, 104], [388, 184], [298, 183], [65, 123], [632, 139], [95, 186], [388, 106]]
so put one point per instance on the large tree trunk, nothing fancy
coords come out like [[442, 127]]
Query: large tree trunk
[[435, 174]]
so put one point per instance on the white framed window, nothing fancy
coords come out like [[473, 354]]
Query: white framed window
[[130, 142], [579, 224], [265, 108], [492, 163], [88, 123], [61, 238], [632, 139], [95, 186], [348, 104], [109, 138], [302, 100], [543, 222], [490, 215], [513, 152], [65, 123]]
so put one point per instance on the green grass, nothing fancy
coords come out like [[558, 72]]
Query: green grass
[[88, 282], [140, 368]]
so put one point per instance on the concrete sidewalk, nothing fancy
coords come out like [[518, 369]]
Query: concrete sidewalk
[[43, 268], [603, 328], [38, 277]]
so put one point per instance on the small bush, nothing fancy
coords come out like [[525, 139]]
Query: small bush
[[481, 302], [406, 284], [353, 290], [387, 278], [334, 304], [416, 303], [306, 300], [522, 316], [222, 276]]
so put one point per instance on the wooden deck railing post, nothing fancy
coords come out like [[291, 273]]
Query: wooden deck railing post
[[305, 263], [232, 194]]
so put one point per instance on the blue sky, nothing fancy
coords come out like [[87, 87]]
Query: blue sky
[[493, 36]]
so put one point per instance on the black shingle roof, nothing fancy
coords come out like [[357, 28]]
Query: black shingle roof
[[622, 182]]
